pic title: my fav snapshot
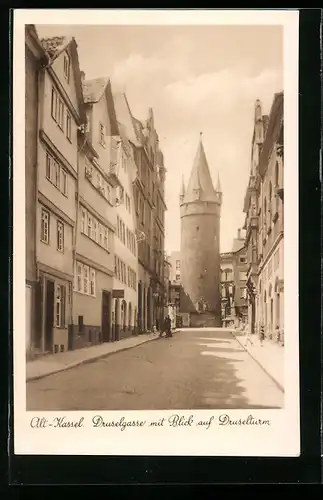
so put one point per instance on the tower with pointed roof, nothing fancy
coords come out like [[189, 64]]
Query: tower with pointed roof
[[200, 210]]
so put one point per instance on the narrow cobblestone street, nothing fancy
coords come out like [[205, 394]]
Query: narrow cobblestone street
[[196, 369]]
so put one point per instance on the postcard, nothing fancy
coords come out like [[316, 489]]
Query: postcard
[[155, 293]]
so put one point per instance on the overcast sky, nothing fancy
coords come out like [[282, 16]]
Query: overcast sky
[[196, 79]]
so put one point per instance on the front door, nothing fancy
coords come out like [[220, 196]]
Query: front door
[[49, 315], [106, 325]]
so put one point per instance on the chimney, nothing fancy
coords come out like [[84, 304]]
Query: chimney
[[239, 234]]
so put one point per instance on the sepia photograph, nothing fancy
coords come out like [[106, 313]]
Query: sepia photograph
[[154, 210]]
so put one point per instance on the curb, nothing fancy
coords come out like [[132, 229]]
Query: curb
[[280, 387], [85, 361]]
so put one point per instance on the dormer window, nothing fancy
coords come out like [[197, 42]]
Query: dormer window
[[67, 66]]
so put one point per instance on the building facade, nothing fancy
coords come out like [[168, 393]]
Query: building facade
[[200, 209], [126, 247], [126, 262], [175, 260], [234, 305], [264, 208], [35, 58], [61, 113], [95, 198], [96, 269], [150, 210]]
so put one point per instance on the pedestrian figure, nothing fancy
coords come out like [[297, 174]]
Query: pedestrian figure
[[157, 325], [165, 326], [247, 331], [168, 326], [261, 334]]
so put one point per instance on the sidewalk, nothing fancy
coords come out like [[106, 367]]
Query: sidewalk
[[54, 363], [270, 356]]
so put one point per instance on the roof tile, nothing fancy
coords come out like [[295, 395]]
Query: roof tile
[[55, 44]]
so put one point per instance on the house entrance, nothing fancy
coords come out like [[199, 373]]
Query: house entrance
[[106, 309]]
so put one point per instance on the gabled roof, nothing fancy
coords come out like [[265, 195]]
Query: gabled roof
[[200, 186], [124, 117], [94, 89], [53, 47]]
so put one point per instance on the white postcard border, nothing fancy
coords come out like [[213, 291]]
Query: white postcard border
[[282, 437]]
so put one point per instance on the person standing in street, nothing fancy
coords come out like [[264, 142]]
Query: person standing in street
[[169, 327], [166, 327], [248, 338]]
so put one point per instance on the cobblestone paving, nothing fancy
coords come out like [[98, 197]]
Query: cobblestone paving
[[199, 369]]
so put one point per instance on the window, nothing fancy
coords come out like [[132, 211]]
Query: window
[[60, 236], [79, 278], [95, 231], [123, 233], [105, 243], [92, 282], [227, 275], [68, 126], [86, 279], [63, 182], [178, 277], [242, 275], [56, 174], [102, 135], [57, 110], [67, 66], [83, 220], [60, 306], [89, 225], [242, 260], [178, 264], [243, 293], [44, 231], [100, 234], [48, 167]]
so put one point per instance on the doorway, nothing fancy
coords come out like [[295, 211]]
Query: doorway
[[106, 309], [49, 315]]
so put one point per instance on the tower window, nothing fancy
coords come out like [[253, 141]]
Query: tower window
[[197, 228]]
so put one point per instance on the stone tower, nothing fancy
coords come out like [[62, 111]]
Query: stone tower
[[200, 209]]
